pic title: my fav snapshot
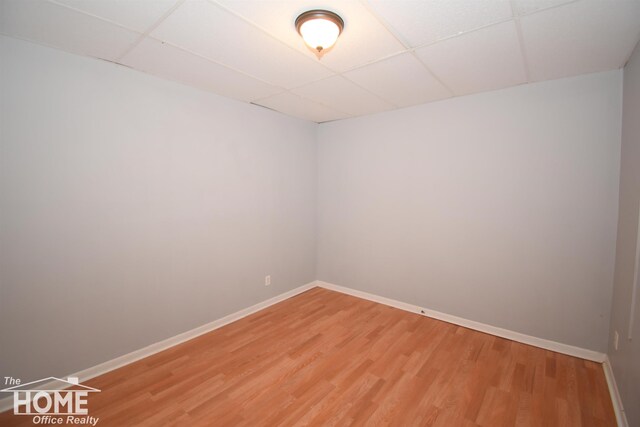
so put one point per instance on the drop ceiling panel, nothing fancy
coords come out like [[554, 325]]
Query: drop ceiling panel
[[342, 95], [249, 49], [580, 37], [63, 28], [363, 40], [521, 7], [206, 29], [420, 22], [401, 79], [294, 105], [485, 59], [137, 15], [164, 60]]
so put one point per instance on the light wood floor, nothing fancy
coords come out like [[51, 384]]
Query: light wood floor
[[323, 358]]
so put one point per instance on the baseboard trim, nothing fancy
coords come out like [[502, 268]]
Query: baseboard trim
[[471, 324], [615, 394], [86, 374]]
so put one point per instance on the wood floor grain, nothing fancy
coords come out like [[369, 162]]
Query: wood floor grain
[[323, 358]]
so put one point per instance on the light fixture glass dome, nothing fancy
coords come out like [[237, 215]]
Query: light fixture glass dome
[[319, 29]]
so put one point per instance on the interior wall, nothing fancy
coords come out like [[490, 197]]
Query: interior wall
[[133, 209], [626, 360], [499, 207]]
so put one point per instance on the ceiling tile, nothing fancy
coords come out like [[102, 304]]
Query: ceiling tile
[[363, 40], [342, 95], [485, 59], [420, 22], [164, 60], [60, 27], [522, 7], [206, 29], [581, 37], [249, 49], [294, 105], [401, 79], [137, 15]]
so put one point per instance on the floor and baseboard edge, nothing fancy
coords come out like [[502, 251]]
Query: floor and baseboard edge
[[504, 333], [6, 403], [103, 368], [615, 394], [471, 324]]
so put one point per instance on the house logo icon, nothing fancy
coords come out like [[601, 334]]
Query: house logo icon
[[51, 396]]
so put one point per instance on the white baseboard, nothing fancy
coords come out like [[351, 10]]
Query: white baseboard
[[86, 374], [482, 327], [615, 394]]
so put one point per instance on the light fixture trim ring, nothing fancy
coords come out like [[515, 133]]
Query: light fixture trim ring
[[319, 14]]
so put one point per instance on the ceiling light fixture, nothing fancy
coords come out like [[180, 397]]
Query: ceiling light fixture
[[319, 30]]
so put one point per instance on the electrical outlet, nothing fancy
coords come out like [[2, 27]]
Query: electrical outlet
[[267, 280], [616, 338]]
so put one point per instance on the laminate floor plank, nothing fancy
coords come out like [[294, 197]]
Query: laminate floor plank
[[323, 358]]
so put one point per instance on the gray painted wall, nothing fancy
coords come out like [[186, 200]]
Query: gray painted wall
[[499, 207], [133, 209], [626, 360]]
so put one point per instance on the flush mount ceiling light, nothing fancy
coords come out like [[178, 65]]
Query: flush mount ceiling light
[[319, 30]]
